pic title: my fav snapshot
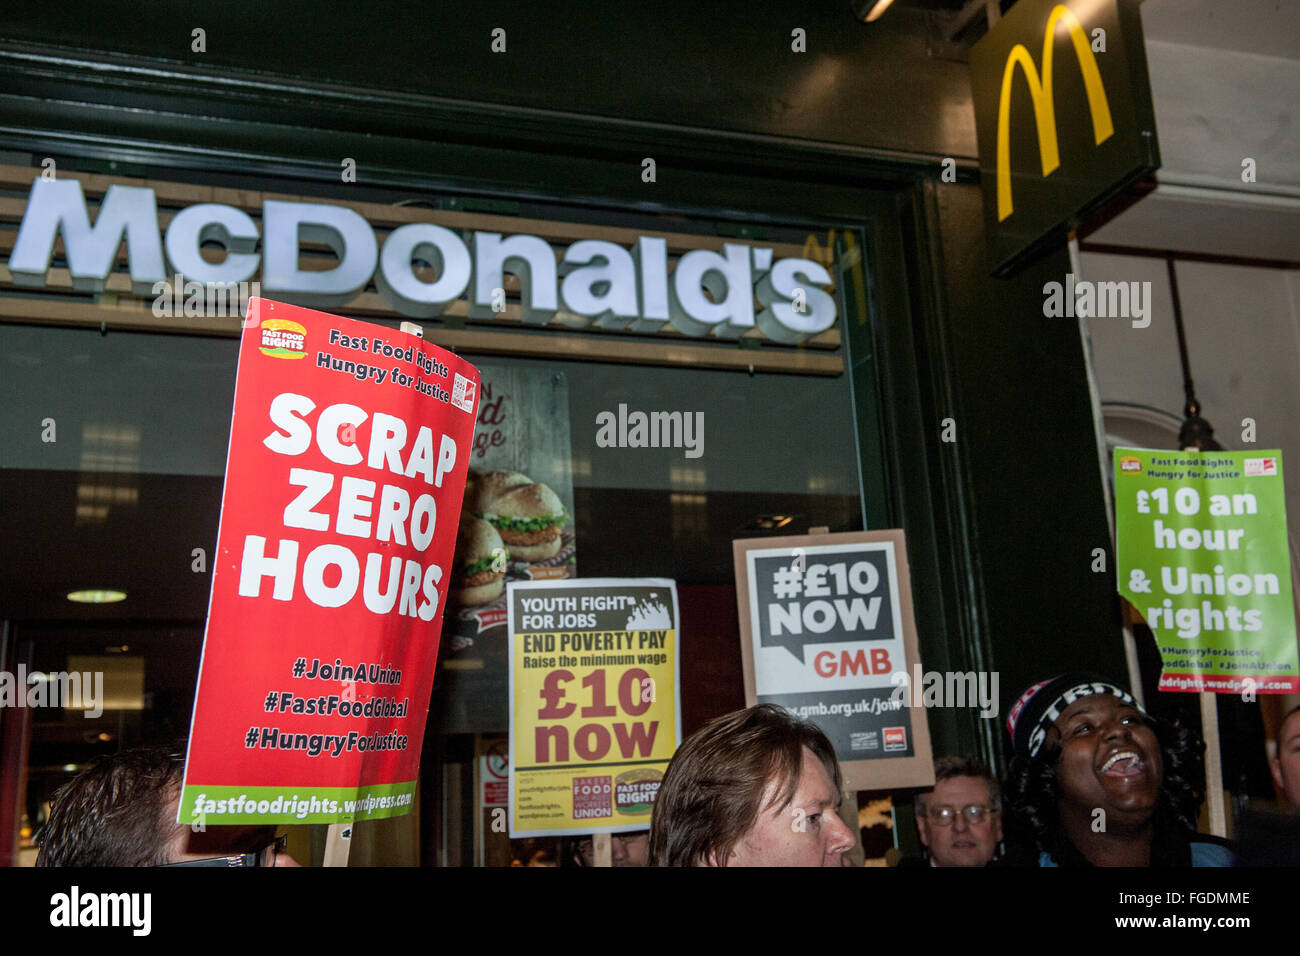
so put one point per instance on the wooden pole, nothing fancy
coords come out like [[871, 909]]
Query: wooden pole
[[1213, 764], [1215, 803], [604, 852], [480, 809], [338, 844], [1209, 709], [1103, 462]]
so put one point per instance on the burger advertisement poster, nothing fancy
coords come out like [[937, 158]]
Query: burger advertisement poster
[[1203, 558], [595, 714], [521, 487], [517, 525], [349, 447]]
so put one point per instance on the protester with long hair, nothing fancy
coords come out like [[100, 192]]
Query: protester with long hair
[[756, 787], [1098, 782]]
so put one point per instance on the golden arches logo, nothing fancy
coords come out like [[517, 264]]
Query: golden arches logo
[[1040, 89]]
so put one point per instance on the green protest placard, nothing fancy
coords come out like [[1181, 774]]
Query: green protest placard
[[1202, 555]]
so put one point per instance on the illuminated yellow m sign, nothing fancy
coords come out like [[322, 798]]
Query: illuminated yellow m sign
[[1044, 107]]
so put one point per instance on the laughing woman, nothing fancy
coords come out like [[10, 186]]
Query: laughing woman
[[1098, 782]]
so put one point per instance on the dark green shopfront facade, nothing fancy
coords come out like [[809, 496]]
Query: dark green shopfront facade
[[971, 411]]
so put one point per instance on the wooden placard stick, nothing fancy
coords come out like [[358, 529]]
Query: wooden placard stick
[[1213, 764], [603, 849], [338, 844]]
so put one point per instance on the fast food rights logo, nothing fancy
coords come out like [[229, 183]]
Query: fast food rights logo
[[284, 339], [596, 282]]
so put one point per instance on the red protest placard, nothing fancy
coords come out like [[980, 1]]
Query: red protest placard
[[349, 446]]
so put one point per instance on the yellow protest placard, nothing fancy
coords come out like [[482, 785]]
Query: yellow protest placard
[[594, 715]]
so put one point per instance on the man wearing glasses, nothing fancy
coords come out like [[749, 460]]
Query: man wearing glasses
[[960, 820], [122, 812]]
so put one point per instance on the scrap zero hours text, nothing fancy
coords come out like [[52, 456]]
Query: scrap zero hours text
[[357, 507]]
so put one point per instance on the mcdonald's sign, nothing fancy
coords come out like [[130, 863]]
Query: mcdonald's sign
[[1064, 118]]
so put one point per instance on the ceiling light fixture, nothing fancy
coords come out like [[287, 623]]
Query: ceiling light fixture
[[868, 11], [93, 596]]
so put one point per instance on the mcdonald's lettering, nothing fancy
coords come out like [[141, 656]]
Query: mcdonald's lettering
[[1040, 90], [709, 293]]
